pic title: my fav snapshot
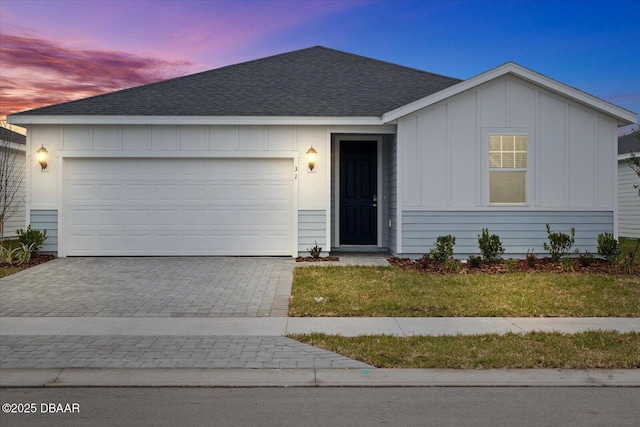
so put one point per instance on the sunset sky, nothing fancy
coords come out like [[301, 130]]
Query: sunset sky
[[53, 51]]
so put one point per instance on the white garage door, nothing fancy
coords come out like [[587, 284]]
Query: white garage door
[[178, 207]]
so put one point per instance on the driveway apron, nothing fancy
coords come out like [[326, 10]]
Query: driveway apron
[[214, 288]]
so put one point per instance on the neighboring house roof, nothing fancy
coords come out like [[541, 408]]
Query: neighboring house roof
[[317, 81], [627, 144], [11, 136]]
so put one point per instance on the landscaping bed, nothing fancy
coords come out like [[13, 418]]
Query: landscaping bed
[[542, 265], [316, 259], [6, 270]]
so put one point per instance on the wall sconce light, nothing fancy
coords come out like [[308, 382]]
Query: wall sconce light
[[312, 156], [42, 157]]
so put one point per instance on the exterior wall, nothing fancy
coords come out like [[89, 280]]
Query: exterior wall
[[312, 231], [46, 219], [628, 202], [519, 231], [312, 188], [443, 154], [17, 220]]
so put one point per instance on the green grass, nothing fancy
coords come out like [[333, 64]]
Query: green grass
[[391, 292], [593, 349], [6, 271]]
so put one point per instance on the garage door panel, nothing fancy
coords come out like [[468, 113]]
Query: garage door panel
[[178, 207]]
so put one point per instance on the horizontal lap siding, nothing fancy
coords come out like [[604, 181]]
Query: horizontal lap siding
[[628, 202], [312, 226], [46, 219], [518, 231]]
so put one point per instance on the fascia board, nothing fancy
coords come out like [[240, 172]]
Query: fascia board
[[624, 117], [192, 120]]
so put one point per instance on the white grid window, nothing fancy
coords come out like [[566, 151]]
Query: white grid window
[[508, 169]]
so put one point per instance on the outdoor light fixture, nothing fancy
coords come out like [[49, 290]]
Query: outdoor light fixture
[[312, 156], [42, 157]]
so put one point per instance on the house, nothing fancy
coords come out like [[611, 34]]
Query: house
[[218, 163], [12, 185], [628, 197]]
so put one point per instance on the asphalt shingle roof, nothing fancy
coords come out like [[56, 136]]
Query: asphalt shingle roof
[[310, 82], [11, 136]]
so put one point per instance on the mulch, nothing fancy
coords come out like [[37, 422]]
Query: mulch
[[542, 265], [319, 259], [36, 260]]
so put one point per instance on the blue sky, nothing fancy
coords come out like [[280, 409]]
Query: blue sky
[[52, 51]]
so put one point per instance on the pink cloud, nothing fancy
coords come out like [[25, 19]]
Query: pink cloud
[[39, 72]]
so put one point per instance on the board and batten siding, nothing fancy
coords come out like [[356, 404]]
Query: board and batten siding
[[443, 167], [519, 231], [77, 141], [46, 219], [443, 149], [312, 230], [628, 202]]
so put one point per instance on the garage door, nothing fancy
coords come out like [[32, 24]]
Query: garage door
[[178, 207]]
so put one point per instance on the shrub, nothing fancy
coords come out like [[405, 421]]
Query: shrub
[[586, 259], [17, 256], [608, 247], [474, 261], [451, 264], [511, 264], [315, 251], [627, 264], [531, 258], [559, 244], [32, 238], [490, 246], [444, 248]]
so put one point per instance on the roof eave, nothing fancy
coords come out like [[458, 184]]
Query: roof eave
[[623, 116], [28, 119]]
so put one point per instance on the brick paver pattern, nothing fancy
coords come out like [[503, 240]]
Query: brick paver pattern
[[150, 287], [74, 351]]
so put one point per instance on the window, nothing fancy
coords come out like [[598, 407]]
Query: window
[[508, 169]]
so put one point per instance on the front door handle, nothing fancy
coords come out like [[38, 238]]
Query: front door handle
[[374, 205]]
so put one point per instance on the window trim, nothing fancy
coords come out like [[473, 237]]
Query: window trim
[[486, 169]]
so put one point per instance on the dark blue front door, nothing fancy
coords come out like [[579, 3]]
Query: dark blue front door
[[358, 192]]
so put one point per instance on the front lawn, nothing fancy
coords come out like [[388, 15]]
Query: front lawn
[[391, 292], [587, 350]]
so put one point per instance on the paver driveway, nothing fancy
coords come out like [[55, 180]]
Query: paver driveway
[[150, 287]]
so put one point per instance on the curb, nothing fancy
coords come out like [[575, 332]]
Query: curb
[[172, 377]]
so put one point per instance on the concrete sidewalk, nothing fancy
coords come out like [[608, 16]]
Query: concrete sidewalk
[[31, 347], [281, 326]]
